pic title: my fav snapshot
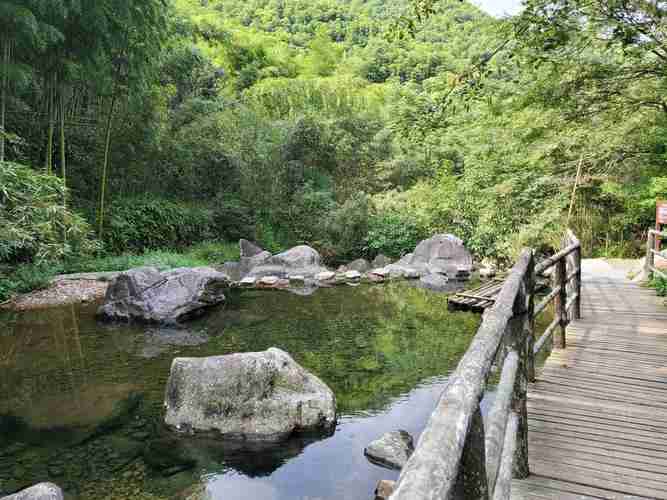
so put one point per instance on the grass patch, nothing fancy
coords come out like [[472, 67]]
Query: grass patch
[[23, 279], [29, 277]]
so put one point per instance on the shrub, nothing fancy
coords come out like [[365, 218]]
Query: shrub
[[139, 224], [35, 224], [660, 285], [393, 234], [347, 227], [233, 220], [215, 252]]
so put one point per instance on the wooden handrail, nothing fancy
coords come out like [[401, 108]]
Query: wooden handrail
[[460, 455], [651, 252]]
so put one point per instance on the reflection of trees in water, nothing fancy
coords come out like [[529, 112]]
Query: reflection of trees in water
[[370, 344]]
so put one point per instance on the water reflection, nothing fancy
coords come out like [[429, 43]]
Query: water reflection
[[81, 401]]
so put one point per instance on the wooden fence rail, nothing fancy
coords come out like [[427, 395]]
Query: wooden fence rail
[[652, 249], [460, 456]]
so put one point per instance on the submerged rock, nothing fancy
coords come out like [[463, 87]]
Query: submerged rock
[[147, 295], [41, 491], [256, 396], [435, 282], [392, 450], [384, 489]]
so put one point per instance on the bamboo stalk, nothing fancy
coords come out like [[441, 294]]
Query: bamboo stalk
[[103, 181], [3, 98], [49, 139]]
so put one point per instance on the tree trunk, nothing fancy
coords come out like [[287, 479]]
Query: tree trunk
[[103, 180]]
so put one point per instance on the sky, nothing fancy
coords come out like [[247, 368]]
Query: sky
[[499, 7]]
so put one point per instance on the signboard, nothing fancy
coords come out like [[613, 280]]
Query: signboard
[[661, 212]]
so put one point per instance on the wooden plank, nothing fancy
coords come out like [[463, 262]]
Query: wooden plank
[[618, 468], [631, 432], [539, 441], [570, 429], [549, 484], [597, 480]]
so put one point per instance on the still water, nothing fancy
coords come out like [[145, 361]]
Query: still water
[[81, 401]]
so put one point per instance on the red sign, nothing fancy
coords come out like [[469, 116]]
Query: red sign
[[661, 212]]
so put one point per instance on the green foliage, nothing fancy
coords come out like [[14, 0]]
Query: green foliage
[[347, 227], [303, 122], [139, 224], [393, 234], [35, 225], [233, 220], [215, 252], [660, 285]]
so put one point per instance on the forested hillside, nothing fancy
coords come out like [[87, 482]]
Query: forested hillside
[[322, 122]]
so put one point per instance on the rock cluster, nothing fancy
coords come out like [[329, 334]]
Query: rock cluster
[[435, 261], [255, 396]]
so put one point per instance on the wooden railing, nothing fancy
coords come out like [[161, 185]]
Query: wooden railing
[[652, 249], [460, 454]]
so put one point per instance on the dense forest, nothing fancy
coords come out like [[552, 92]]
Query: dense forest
[[357, 127]]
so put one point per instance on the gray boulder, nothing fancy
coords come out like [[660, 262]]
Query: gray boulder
[[360, 265], [249, 249], [255, 396], [41, 491], [147, 295], [301, 260], [251, 257], [392, 450], [381, 261], [442, 254]]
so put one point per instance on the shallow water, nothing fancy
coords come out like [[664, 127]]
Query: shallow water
[[81, 401]]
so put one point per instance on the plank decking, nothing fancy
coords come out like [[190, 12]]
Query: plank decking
[[598, 410]]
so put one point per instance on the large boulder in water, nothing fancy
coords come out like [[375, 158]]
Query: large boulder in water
[[442, 254], [41, 491], [298, 261], [255, 396], [145, 294]]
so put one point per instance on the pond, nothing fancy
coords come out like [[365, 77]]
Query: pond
[[81, 401]]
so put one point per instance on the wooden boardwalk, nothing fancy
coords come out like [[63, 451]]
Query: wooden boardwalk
[[598, 410]]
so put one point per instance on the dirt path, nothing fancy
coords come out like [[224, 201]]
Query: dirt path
[[61, 292]]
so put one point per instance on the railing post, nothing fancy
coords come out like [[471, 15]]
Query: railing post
[[650, 258], [472, 483], [520, 332], [560, 302], [576, 308], [529, 323]]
